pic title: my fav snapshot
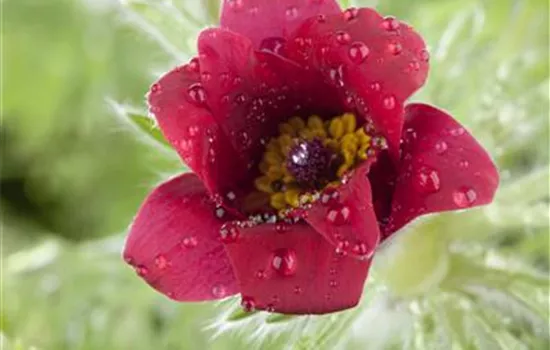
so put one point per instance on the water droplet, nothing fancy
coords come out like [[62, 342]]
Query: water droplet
[[253, 10], [375, 86], [291, 13], [343, 37], [351, 14], [464, 197], [361, 249], [155, 88], [414, 66], [273, 44], [298, 290], [457, 131], [337, 76], [194, 65], [281, 227], [261, 275], [248, 304], [333, 284], [330, 195], [235, 4], [141, 270], [390, 23], [321, 18], [197, 94], [231, 196], [284, 261], [270, 308], [220, 212], [229, 232], [332, 271], [205, 77], [441, 147], [219, 291], [338, 214], [464, 164], [161, 263], [424, 55], [389, 102], [240, 99], [189, 242], [395, 48], [358, 52], [427, 180]]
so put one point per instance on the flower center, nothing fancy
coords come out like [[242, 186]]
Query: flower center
[[309, 155], [309, 162]]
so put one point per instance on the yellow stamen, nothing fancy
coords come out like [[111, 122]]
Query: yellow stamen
[[340, 134]]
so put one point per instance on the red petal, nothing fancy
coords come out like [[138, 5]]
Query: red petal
[[443, 168], [251, 92], [346, 217], [262, 19], [174, 243], [380, 62], [291, 269], [178, 102]]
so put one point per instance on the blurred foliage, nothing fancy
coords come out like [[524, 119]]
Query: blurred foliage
[[77, 160]]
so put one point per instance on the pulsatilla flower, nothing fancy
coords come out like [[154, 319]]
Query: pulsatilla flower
[[305, 157]]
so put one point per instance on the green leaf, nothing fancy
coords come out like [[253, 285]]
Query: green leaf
[[149, 127]]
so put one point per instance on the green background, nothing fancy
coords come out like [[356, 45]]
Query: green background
[[75, 167]]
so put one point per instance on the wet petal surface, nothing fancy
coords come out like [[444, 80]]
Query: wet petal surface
[[443, 168], [174, 243], [292, 269]]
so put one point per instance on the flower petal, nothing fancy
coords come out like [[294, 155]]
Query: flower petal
[[174, 243], [346, 218], [264, 19], [291, 269], [178, 102], [443, 168], [379, 61], [251, 92]]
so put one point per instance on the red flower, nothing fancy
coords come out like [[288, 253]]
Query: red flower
[[304, 154]]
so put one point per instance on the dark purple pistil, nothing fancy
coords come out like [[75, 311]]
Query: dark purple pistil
[[309, 162]]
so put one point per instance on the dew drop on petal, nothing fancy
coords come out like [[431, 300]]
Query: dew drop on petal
[[219, 290], [248, 304], [351, 14], [298, 290], [390, 24], [343, 37], [193, 65], [161, 262], [427, 180], [229, 232], [189, 242], [155, 88], [441, 147], [338, 215], [291, 13], [424, 55], [457, 132], [464, 197], [284, 262], [197, 94], [330, 195], [463, 164], [261, 275], [141, 270], [235, 4], [358, 52], [273, 44], [389, 102], [395, 48], [375, 86]]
